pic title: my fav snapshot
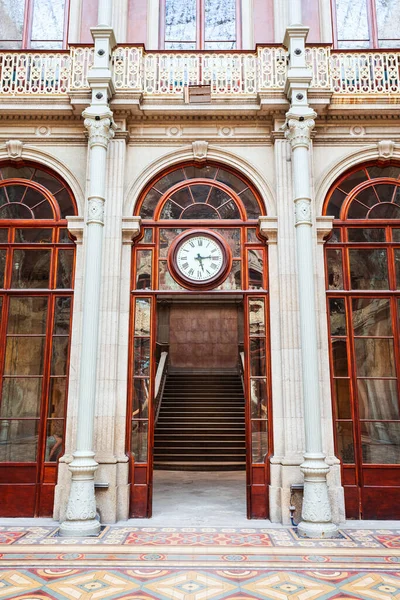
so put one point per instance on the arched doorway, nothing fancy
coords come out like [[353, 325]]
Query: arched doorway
[[36, 293], [363, 295], [200, 255]]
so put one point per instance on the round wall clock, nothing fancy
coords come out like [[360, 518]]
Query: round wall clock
[[199, 258]]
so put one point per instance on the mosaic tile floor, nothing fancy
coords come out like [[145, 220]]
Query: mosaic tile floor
[[198, 564]]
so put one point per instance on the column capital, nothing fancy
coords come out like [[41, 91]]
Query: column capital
[[298, 128], [100, 128]]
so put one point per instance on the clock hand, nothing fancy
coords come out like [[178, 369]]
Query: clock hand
[[200, 259]]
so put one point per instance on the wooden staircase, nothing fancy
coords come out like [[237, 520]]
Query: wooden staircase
[[201, 424]]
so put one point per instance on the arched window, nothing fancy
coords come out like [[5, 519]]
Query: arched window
[[36, 292], [199, 24], [209, 206], [363, 290]]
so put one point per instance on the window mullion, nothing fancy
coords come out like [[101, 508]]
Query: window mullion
[[28, 18], [372, 24], [200, 24]]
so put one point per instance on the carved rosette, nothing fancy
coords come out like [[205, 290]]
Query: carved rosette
[[302, 212], [100, 131], [95, 210], [298, 132]]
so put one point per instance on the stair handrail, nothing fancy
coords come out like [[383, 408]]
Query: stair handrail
[[241, 366], [161, 376]]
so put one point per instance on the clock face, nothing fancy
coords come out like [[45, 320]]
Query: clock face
[[199, 258]]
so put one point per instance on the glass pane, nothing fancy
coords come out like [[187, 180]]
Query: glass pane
[[57, 397], [229, 211], [337, 316], [206, 172], [231, 180], [220, 20], [27, 315], [3, 255], [3, 234], [335, 237], [141, 356], [368, 197], [139, 440], [64, 199], [377, 399], [232, 238], [11, 19], [21, 397], [33, 236], [183, 198], [255, 265], [342, 398], [352, 20], [371, 316], [15, 211], [256, 317], [357, 210], [368, 269], [200, 193], [64, 269], [54, 440], [366, 235], [18, 441], [149, 204], [345, 444], [143, 269], [48, 20], [259, 401], [250, 204], [355, 178], [252, 236], [396, 235], [142, 316], [218, 197], [147, 237], [397, 266], [171, 211], [62, 315], [59, 355], [374, 357], [38, 204], [140, 407], [380, 443], [234, 279], [339, 358], [30, 269], [335, 204], [63, 237], [169, 180], [165, 279], [167, 236], [180, 20], [386, 210], [259, 440], [24, 356], [257, 357], [335, 269], [388, 18], [391, 171], [200, 211]]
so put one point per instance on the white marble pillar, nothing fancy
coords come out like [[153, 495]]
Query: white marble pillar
[[295, 17], [81, 510], [153, 24], [247, 10], [316, 512], [104, 13]]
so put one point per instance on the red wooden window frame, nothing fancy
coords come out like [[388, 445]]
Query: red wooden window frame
[[372, 27], [371, 491], [26, 43], [200, 27], [37, 478], [149, 241]]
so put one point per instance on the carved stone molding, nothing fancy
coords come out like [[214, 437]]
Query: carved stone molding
[[302, 211], [298, 130], [130, 229], [324, 226], [100, 130], [200, 148], [14, 149], [269, 228], [386, 149], [75, 227], [95, 210]]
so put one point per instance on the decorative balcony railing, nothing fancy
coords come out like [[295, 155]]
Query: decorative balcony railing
[[227, 74]]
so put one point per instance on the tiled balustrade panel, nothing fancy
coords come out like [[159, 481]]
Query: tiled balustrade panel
[[365, 72]]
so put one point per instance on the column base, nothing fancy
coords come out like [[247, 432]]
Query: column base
[[80, 528], [317, 530]]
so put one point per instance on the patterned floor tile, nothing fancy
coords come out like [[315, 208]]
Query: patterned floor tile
[[9, 537], [198, 539]]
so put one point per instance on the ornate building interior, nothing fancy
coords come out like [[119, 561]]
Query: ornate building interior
[[200, 256]]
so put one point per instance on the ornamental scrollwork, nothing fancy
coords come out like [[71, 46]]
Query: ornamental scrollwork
[[298, 132], [100, 131], [95, 210]]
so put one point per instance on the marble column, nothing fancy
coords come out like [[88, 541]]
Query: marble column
[[81, 510]]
